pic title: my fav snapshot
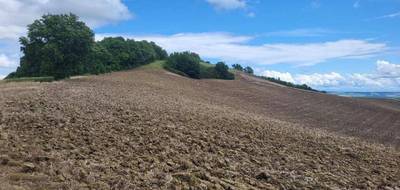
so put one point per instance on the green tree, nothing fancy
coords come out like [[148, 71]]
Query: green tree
[[56, 45], [222, 71], [185, 62], [130, 53], [100, 61], [237, 67], [248, 70]]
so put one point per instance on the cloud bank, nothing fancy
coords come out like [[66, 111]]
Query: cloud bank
[[385, 77], [6, 61]]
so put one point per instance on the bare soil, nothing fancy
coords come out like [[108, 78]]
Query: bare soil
[[147, 129]]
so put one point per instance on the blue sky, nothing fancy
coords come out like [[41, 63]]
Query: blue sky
[[341, 45]]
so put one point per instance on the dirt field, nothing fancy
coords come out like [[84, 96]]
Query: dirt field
[[149, 129]]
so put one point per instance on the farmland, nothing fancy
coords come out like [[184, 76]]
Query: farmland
[[151, 129]]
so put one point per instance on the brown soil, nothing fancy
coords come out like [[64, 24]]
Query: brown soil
[[146, 129]]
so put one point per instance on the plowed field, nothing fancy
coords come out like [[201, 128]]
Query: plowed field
[[150, 129]]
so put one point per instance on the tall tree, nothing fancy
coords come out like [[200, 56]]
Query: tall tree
[[56, 45]]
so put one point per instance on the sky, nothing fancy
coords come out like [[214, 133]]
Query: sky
[[340, 45]]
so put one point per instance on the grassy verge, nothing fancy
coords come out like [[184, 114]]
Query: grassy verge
[[30, 79]]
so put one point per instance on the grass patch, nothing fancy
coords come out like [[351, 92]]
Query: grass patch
[[30, 79], [159, 65], [155, 65], [207, 71], [206, 65]]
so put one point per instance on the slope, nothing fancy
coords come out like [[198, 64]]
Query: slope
[[150, 129]]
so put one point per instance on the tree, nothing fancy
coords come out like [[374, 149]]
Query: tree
[[248, 70], [56, 45], [100, 61], [237, 67], [130, 53], [222, 71], [185, 62]]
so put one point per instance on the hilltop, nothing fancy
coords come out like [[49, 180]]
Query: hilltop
[[148, 128]]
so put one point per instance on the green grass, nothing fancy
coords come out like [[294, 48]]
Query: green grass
[[206, 65], [206, 69], [30, 79], [160, 65], [155, 65]]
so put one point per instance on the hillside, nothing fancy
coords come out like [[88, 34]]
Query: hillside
[[151, 129]]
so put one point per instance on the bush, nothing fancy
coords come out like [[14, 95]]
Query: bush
[[186, 62], [222, 71], [237, 67], [248, 70]]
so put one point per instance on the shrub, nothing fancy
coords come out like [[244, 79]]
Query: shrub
[[237, 67], [222, 71], [248, 70], [186, 62]]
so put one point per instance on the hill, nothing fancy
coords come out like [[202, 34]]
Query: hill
[[151, 129]]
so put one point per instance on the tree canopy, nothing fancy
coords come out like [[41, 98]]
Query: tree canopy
[[186, 62], [222, 71], [56, 45], [61, 46]]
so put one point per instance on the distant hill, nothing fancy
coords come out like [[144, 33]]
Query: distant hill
[[379, 95]]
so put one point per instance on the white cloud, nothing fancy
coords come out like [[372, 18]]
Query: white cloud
[[278, 75], [11, 32], [228, 4], [386, 69], [2, 77], [235, 49], [316, 79], [386, 77], [390, 15], [15, 15], [5, 61], [364, 80]]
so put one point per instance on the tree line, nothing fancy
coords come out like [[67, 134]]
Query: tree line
[[191, 65], [61, 46]]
